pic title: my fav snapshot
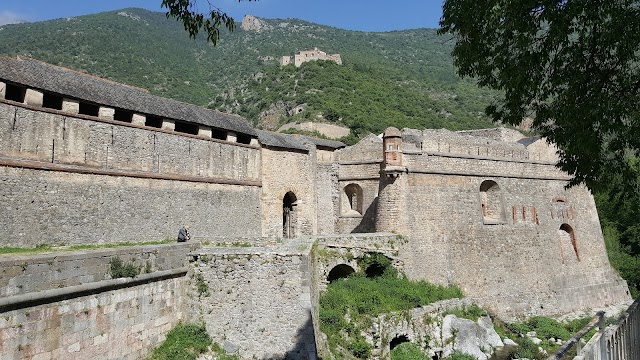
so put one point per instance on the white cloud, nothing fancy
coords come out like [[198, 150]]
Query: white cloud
[[8, 17]]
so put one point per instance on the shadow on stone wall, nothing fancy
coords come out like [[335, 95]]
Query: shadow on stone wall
[[305, 346], [368, 223]]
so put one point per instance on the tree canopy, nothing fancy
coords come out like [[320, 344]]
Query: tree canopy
[[194, 20], [573, 66]]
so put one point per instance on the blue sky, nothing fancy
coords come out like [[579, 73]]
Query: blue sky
[[364, 15]]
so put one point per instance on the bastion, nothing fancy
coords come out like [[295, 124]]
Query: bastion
[[84, 160]]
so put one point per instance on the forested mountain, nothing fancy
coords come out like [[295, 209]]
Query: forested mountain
[[401, 78]]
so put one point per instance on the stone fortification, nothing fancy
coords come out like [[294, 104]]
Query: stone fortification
[[84, 160], [259, 300], [304, 56], [506, 229], [23, 274], [96, 319]]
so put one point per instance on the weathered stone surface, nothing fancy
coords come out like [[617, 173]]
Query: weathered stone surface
[[119, 324], [33, 97], [70, 106], [469, 337], [106, 112], [252, 23]]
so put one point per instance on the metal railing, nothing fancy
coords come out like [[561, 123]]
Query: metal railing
[[620, 342]]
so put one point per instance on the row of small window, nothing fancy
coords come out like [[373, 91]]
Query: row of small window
[[51, 101]]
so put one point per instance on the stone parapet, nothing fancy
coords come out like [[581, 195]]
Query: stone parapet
[[24, 274]]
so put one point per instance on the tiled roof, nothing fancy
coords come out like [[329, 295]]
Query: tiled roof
[[284, 141], [73, 84]]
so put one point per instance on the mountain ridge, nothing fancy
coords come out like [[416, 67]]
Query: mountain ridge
[[397, 78]]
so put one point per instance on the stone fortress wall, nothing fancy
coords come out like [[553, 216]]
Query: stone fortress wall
[[513, 237], [304, 56], [485, 210], [65, 305]]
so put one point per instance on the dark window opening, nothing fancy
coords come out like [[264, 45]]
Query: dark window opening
[[218, 134], [15, 93], [51, 101], [153, 121], [187, 128], [397, 341], [88, 109], [340, 272], [289, 218], [374, 270], [244, 139], [123, 115]]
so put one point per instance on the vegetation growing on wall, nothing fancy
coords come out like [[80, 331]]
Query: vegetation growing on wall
[[349, 305], [120, 269], [545, 328], [184, 342]]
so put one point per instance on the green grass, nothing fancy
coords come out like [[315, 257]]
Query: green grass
[[364, 298], [408, 351], [545, 329], [59, 248], [472, 312], [184, 342]]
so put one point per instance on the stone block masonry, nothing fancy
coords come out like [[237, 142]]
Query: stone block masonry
[[118, 324], [106, 183], [259, 300], [108, 319], [25, 274]]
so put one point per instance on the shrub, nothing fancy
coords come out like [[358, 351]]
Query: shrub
[[472, 312], [360, 349], [184, 342], [119, 269], [548, 328], [407, 351], [458, 355], [360, 299]]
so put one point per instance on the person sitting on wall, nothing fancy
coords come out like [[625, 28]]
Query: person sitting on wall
[[183, 234]]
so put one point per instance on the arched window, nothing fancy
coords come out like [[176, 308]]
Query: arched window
[[352, 200], [340, 272], [289, 217], [491, 202], [568, 245]]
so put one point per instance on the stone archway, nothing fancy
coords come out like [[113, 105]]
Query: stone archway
[[289, 215], [340, 271]]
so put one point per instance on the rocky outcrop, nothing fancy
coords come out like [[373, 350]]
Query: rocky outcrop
[[252, 23], [435, 331]]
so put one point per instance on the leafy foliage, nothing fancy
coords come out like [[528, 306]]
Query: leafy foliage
[[472, 312], [408, 351], [360, 299], [120, 269], [458, 355], [572, 66], [184, 342], [185, 11]]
